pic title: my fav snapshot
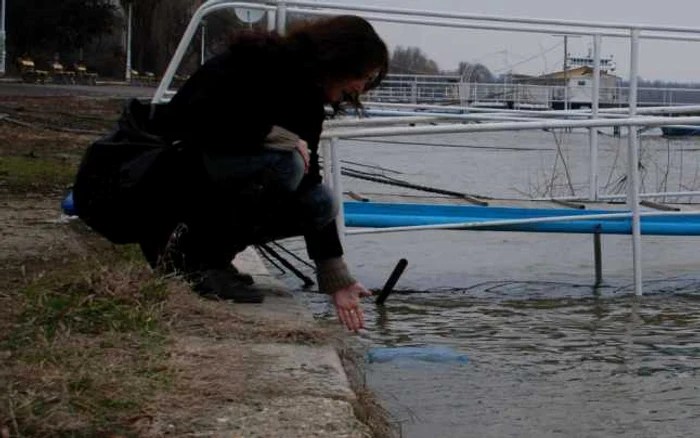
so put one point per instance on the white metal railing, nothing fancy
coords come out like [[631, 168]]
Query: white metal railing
[[522, 95], [631, 118]]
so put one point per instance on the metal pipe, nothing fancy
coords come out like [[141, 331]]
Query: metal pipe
[[271, 20], [203, 43], [633, 162], [3, 37], [598, 258], [379, 121], [508, 126], [129, 29], [551, 113], [593, 132], [446, 116], [504, 27], [496, 18], [338, 189], [281, 17], [327, 165]]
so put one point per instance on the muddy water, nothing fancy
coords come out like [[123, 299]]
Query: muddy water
[[549, 354]]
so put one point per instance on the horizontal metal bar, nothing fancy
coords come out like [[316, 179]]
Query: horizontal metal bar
[[464, 25], [496, 18], [509, 126], [676, 109]]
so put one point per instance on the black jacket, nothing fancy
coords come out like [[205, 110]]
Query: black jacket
[[231, 103]]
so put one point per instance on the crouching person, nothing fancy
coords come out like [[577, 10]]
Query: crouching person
[[249, 121]]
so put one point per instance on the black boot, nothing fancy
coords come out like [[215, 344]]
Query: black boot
[[224, 284]]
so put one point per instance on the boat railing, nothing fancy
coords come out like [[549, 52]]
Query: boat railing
[[631, 118]]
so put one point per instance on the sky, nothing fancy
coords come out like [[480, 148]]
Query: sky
[[531, 53]]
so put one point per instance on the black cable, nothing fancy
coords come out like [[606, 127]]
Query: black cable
[[307, 281], [272, 262], [294, 255], [471, 198]]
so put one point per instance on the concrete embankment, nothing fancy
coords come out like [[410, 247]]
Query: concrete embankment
[[296, 389]]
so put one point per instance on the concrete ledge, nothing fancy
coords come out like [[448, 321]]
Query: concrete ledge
[[283, 417], [291, 389]]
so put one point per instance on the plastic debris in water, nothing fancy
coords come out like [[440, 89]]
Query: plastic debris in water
[[425, 354]]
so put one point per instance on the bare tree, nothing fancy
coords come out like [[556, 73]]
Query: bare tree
[[475, 72], [412, 60]]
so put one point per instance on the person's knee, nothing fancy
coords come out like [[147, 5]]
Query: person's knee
[[289, 171], [324, 206]]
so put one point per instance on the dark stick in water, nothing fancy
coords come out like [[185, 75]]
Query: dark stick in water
[[391, 282]]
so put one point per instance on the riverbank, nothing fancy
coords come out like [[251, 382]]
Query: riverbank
[[93, 344]]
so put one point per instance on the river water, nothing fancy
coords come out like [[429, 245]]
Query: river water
[[550, 355]]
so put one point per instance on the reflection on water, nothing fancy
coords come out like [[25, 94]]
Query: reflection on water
[[545, 359]]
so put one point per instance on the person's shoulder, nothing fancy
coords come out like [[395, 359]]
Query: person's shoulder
[[255, 47]]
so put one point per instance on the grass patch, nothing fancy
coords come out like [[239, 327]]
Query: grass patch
[[20, 173], [87, 348]]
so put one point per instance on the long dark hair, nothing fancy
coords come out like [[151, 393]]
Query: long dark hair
[[330, 50], [341, 48]]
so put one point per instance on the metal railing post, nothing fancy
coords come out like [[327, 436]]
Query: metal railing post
[[593, 133], [281, 17], [129, 29], [633, 169], [338, 188], [3, 44], [271, 18]]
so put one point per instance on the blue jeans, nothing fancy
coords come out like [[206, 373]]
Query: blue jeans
[[245, 200], [314, 208]]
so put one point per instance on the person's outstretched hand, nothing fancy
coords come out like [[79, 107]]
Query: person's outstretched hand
[[347, 305]]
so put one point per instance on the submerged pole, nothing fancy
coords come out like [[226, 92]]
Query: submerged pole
[[633, 165], [598, 258]]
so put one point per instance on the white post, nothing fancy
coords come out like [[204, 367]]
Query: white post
[[203, 42], [281, 17], [270, 20], [633, 169], [3, 53], [338, 189], [129, 10], [327, 165], [593, 133]]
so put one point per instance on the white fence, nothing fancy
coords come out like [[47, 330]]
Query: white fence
[[593, 119]]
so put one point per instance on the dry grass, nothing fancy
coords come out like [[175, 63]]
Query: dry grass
[[85, 351]]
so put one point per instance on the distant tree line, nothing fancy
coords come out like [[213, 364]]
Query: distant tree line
[[412, 60], [59, 28], [94, 31]]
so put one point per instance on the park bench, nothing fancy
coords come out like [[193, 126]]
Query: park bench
[[83, 76], [146, 78], [29, 73], [60, 75]]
